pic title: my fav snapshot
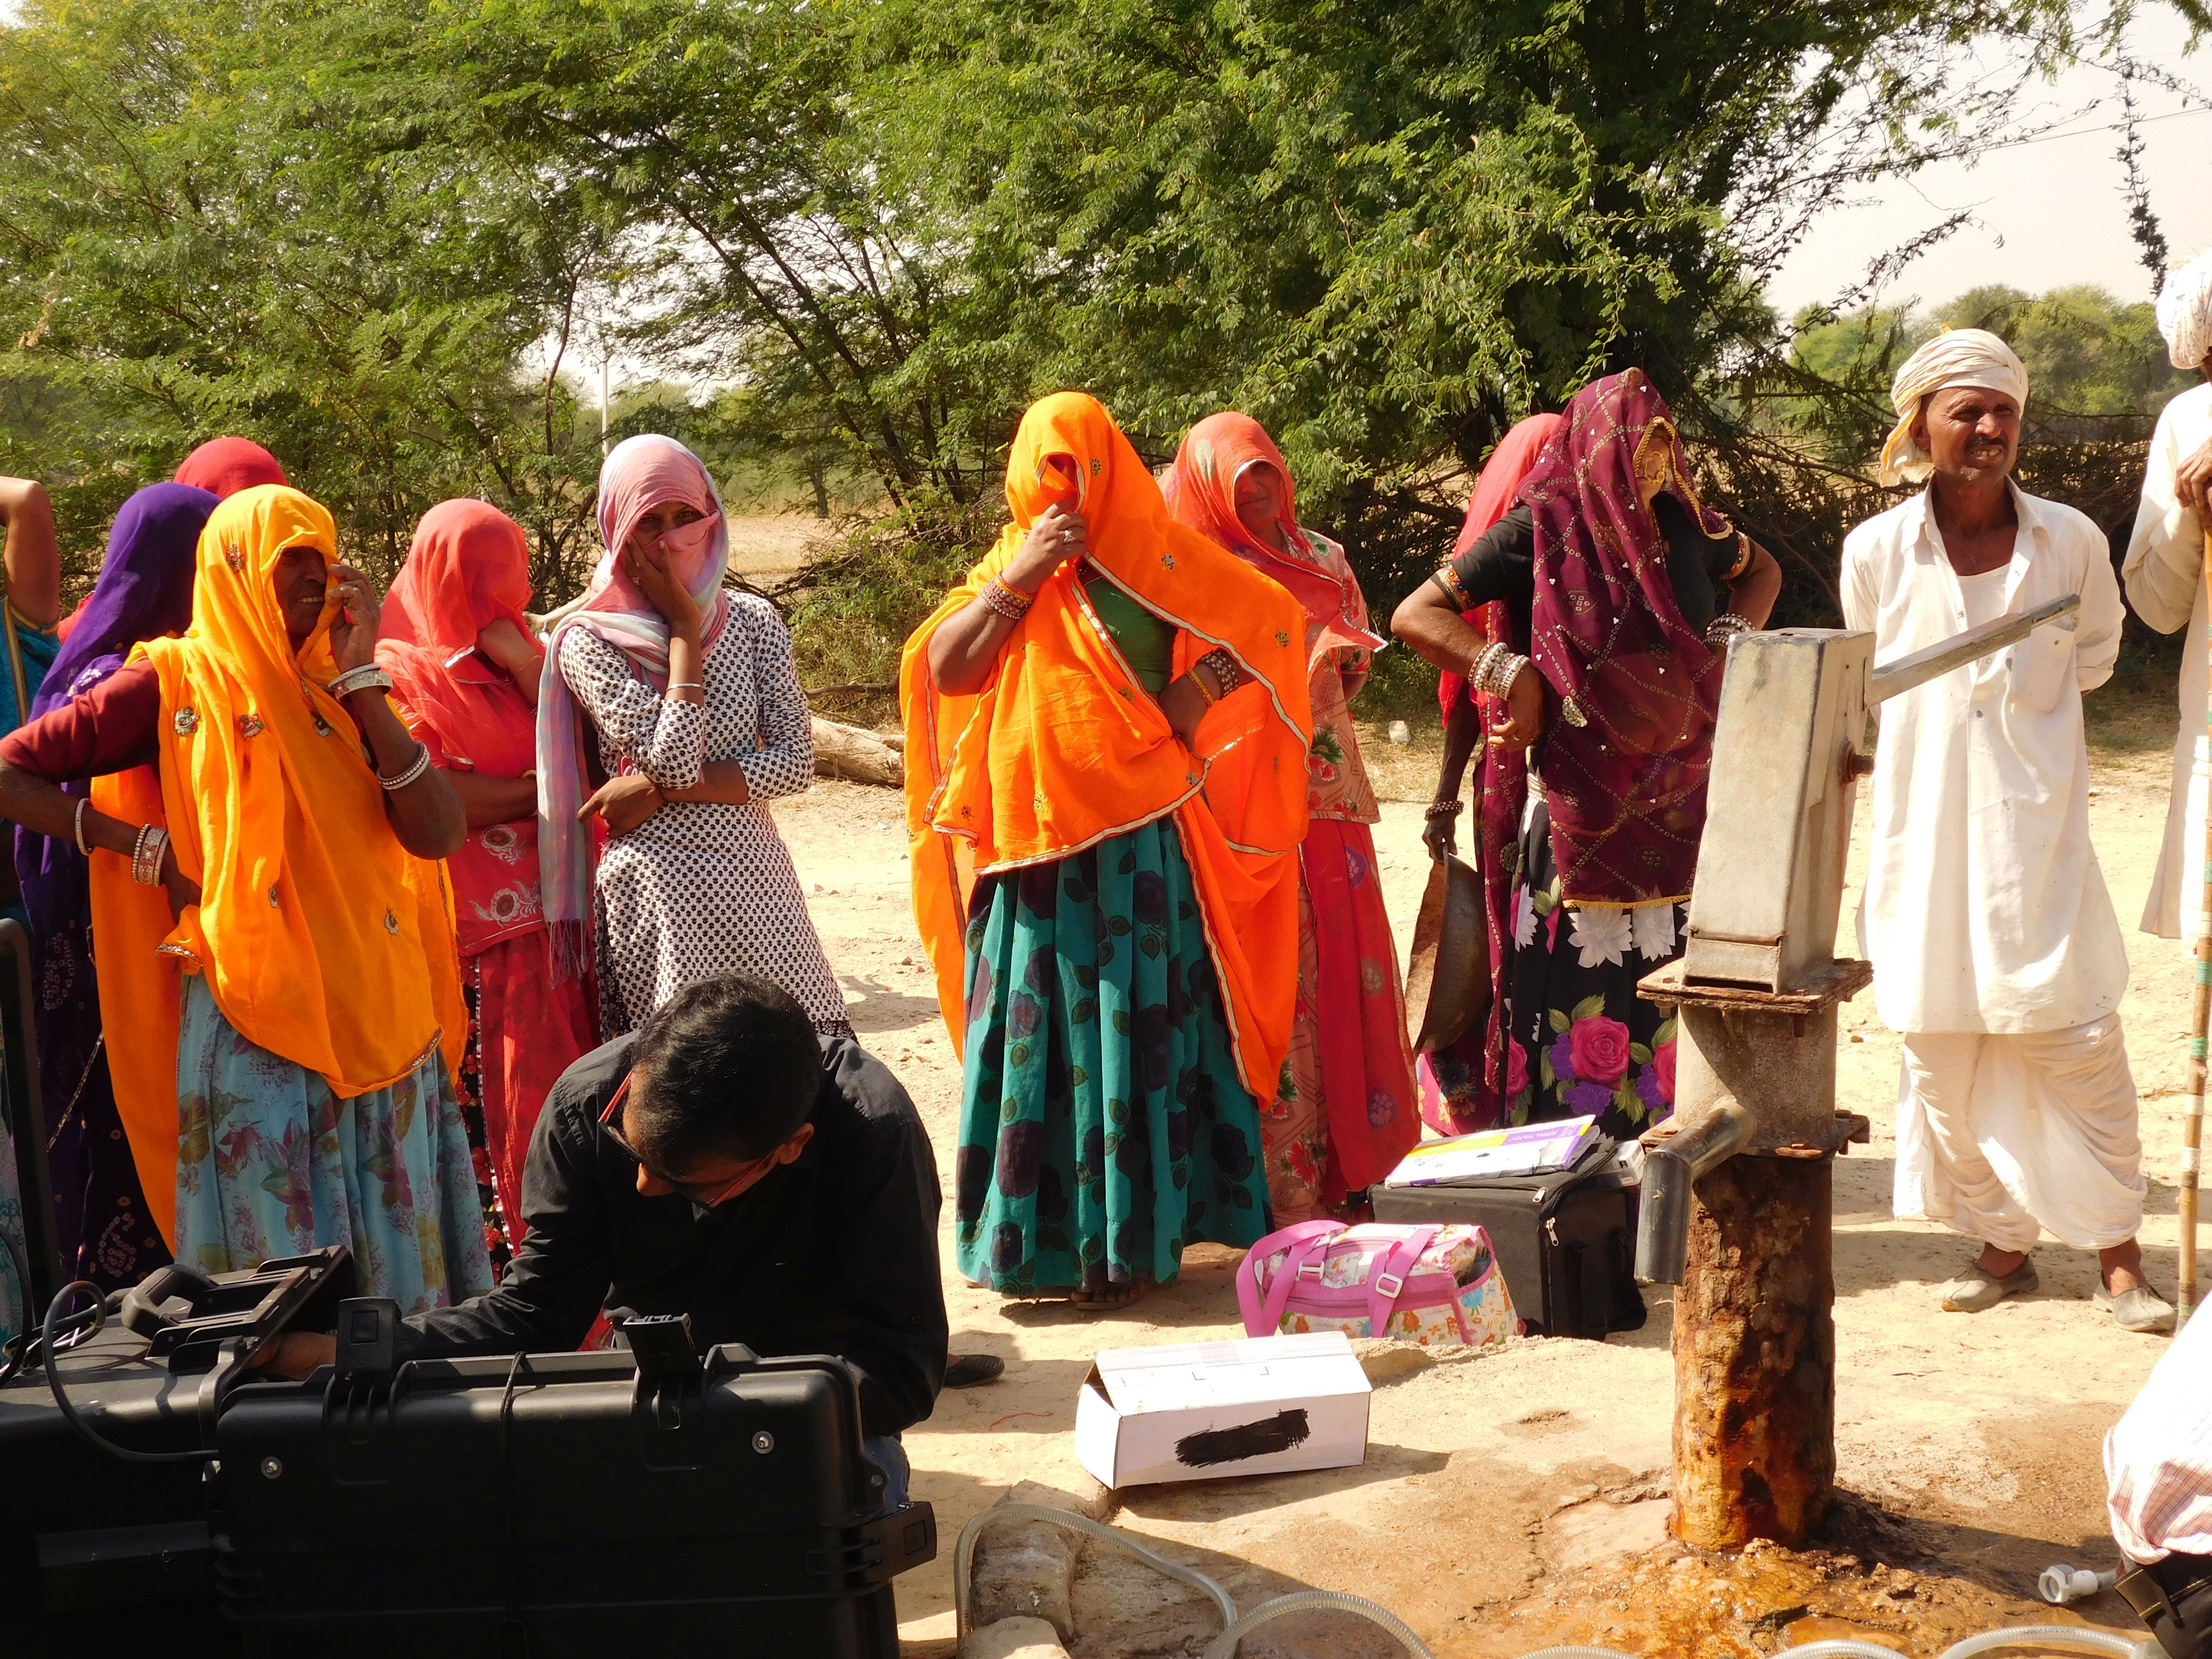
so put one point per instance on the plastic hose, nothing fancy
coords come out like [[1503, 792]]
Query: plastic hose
[[1223, 1646], [964, 1555], [2049, 1635], [2060, 1584], [1840, 1647]]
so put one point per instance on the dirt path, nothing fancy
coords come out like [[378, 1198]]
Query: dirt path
[[1971, 1443]]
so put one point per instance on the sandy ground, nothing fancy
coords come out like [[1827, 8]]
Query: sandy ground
[[769, 547], [1515, 1498]]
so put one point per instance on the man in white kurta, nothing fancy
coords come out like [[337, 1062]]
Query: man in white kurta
[[2164, 572], [1995, 949]]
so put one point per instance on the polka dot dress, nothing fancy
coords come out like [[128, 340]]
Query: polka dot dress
[[701, 888]]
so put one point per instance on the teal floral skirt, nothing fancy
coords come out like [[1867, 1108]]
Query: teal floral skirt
[[1102, 1125], [271, 1162]]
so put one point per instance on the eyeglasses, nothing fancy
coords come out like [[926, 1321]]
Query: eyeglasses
[[705, 1197]]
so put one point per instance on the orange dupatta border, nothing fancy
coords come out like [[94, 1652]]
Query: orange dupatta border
[[1063, 748]]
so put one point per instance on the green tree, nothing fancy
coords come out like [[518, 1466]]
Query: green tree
[[201, 237]]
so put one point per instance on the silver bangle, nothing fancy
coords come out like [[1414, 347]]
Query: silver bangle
[[356, 679], [77, 829], [1725, 626], [421, 765]]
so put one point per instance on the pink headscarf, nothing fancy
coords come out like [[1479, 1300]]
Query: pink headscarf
[[639, 474]]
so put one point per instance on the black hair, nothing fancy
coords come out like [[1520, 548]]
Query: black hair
[[729, 1068]]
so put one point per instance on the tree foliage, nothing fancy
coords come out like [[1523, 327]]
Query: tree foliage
[[865, 233]]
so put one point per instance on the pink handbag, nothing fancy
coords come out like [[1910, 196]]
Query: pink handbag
[[1434, 1285]]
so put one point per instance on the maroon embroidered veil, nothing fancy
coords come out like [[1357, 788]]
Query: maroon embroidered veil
[[1629, 688]]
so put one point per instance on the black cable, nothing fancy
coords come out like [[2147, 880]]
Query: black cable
[[48, 1332]]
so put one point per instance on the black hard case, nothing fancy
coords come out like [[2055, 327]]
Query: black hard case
[[480, 1509], [1566, 1240]]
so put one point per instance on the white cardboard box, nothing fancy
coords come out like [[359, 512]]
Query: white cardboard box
[[1197, 1411]]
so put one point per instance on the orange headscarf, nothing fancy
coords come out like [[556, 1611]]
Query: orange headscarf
[[324, 941], [1063, 748], [1201, 488]]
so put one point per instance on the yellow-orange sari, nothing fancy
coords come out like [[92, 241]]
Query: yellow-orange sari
[[323, 939], [1064, 748]]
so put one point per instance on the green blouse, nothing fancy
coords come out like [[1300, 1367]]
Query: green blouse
[[1143, 638]]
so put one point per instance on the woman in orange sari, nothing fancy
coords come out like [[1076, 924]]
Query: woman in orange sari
[[464, 669], [1342, 1114], [1106, 738], [278, 977]]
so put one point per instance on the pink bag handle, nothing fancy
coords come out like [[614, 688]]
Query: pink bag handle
[[1298, 1241], [1388, 1279]]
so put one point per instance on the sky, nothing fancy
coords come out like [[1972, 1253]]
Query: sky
[[2047, 213]]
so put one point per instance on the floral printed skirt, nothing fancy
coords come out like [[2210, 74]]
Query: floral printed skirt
[[1102, 1125], [1344, 1113], [1578, 1040], [271, 1162]]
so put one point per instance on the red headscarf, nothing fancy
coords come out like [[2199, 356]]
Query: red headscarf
[[1201, 488], [468, 567], [1495, 491], [227, 466]]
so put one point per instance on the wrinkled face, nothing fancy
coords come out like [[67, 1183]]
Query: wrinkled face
[[1260, 495], [1971, 432], [302, 581], [657, 522]]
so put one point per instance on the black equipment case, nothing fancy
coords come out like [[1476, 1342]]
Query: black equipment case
[[542, 1507], [1564, 1240]]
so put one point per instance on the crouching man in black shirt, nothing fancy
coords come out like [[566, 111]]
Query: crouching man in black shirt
[[726, 1164]]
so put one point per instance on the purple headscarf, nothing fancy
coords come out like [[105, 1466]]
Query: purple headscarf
[[144, 589], [1630, 690]]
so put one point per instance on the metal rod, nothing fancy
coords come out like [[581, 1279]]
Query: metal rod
[[1892, 677], [2192, 1122]]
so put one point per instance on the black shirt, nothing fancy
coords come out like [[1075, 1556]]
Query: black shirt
[[834, 1253], [1502, 564]]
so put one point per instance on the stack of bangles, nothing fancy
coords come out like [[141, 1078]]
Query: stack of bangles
[[356, 679], [1495, 670], [402, 780], [1008, 604], [1225, 669], [1444, 809], [1726, 626], [146, 858]]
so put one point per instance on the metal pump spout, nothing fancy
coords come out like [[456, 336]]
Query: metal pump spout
[[1662, 1221]]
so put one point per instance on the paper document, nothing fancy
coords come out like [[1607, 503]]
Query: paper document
[[1530, 1149]]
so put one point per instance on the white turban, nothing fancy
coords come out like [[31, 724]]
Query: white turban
[[2185, 312], [1957, 356]]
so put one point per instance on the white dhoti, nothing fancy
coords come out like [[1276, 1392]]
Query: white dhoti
[[2001, 1138]]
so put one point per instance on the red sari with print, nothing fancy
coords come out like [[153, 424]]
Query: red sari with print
[[1344, 1111], [526, 1025]]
